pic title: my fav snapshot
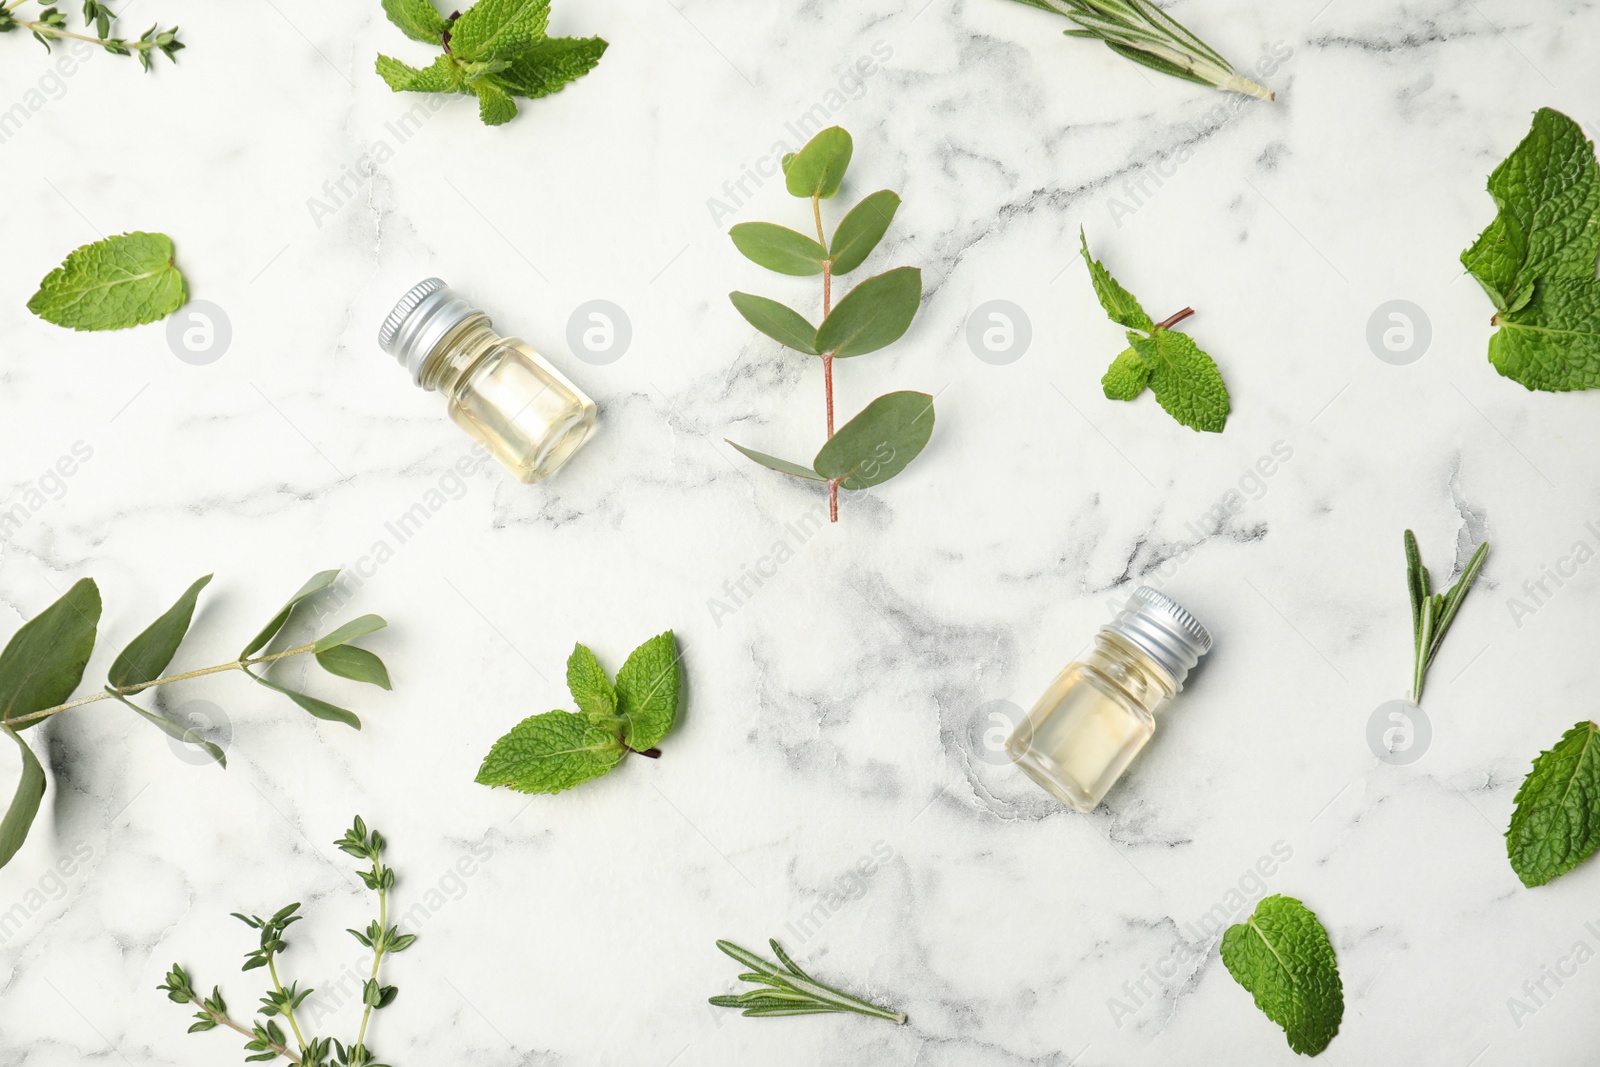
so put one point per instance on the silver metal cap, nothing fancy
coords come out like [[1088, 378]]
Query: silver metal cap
[[422, 318], [1162, 629]]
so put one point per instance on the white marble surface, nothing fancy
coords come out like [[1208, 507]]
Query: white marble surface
[[830, 715]]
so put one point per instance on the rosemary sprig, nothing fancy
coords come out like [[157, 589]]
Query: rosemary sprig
[[1141, 31], [1432, 613], [787, 990], [51, 25]]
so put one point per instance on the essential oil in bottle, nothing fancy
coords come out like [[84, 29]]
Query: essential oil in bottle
[[1099, 712], [498, 389]]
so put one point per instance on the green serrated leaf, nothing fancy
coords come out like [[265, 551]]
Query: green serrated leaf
[[122, 281], [1126, 378], [417, 19], [778, 248], [549, 753], [442, 76], [495, 105], [44, 660], [1548, 226], [818, 168], [24, 802], [873, 315], [783, 466], [551, 64], [320, 709], [1119, 304], [356, 664], [499, 29], [1282, 956], [860, 231], [648, 688], [781, 323], [148, 654], [357, 627], [172, 729], [877, 444], [590, 688], [1184, 379], [316, 583], [1555, 824], [1552, 342]]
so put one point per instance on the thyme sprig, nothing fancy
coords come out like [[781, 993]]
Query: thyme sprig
[[265, 1039], [1141, 31], [50, 24], [788, 990], [1432, 613]]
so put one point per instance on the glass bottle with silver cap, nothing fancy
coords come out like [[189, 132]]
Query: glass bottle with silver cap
[[498, 389], [1099, 713]]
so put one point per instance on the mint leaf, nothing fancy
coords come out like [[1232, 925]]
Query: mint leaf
[[549, 753], [442, 77], [818, 168], [1555, 824], [1119, 304], [778, 248], [860, 231], [122, 281], [877, 444], [417, 19], [781, 323], [1548, 195], [495, 106], [44, 660], [648, 687], [550, 64], [590, 687], [24, 802], [873, 315], [1184, 379], [1126, 378], [1282, 956], [148, 654], [1553, 341], [498, 29], [782, 466]]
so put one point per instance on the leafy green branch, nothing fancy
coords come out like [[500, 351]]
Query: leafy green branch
[[782, 988], [266, 1040], [50, 24], [44, 662], [889, 433], [1432, 613]]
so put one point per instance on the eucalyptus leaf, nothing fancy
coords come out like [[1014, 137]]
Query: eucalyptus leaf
[[778, 248], [44, 660], [357, 664], [782, 466], [783, 324], [351, 630], [148, 654], [172, 729], [24, 803], [873, 315], [818, 168], [317, 582], [860, 231], [878, 443], [319, 708]]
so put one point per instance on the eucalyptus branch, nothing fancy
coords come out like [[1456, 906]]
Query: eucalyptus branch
[[267, 1040]]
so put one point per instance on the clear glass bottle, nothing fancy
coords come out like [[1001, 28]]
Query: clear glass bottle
[[498, 389], [1099, 712]]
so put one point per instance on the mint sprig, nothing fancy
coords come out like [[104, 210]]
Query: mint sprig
[[122, 281], [558, 750], [891, 431], [1555, 824], [496, 50], [1536, 260], [1281, 955], [1184, 379]]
